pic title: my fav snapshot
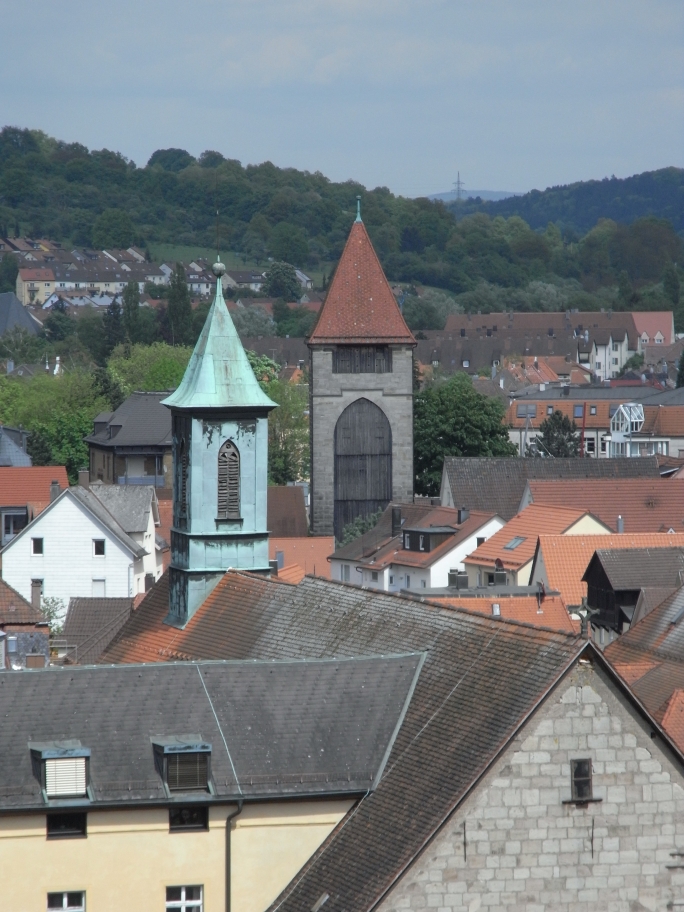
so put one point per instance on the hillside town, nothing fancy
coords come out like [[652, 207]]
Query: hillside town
[[341, 693]]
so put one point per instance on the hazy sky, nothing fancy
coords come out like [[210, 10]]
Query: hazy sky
[[514, 94]]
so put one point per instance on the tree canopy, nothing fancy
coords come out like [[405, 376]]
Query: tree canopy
[[559, 437], [453, 419]]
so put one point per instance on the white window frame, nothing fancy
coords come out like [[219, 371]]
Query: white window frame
[[183, 904], [374, 576], [65, 777], [104, 587]]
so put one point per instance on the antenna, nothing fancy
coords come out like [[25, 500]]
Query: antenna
[[218, 246], [460, 186]]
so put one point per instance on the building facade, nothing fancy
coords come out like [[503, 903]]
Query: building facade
[[361, 394]]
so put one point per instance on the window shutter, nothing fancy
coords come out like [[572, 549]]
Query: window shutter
[[187, 771], [229, 481], [65, 776]]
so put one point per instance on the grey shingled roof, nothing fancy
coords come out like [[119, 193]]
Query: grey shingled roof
[[637, 568], [496, 483], [91, 624], [275, 728], [130, 505], [14, 316], [481, 678], [98, 509], [142, 421], [10, 453]]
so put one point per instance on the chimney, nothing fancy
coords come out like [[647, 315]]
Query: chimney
[[620, 525], [83, 478], [273, 564], [55, 490], [463, 514], [36, 592], [396, 521]]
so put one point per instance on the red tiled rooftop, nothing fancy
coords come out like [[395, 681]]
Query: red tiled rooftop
[[551, 613], [673, 719], [24, 485], [310, 552], [360, 306]]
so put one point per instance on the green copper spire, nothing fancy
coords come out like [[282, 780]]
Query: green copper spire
[[219, 376], [358, 209]]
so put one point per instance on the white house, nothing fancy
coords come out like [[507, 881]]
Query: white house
[[416, 551], [100, 542]]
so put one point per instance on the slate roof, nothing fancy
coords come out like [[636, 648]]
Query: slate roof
[[287, 511], [481, 679], [637, 568], [645, 504], [130, 505], [287, 728], [11, 454], [14, 609], [566, 557], [360, 306], [22, 485], [141, 421], [91, 624], [527, 526], [218, 374], [13, 315], [496, 483]]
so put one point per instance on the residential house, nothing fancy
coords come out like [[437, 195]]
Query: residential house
[[633, 504], [561, 560], [493, 700], [617, 578], [414, 546], [506, 558], [89, 543], [24, 633], [35, 284], [15, 317], [287, 516], [25, 491], [655, 327], [541, 610], [245, 278], [13, 447], [496, 483], [220, 778], [132, 445], [303, 279], [90, 626]]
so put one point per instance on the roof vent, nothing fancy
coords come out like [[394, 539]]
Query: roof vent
[[496, 609], [55, 490], [320, 902]]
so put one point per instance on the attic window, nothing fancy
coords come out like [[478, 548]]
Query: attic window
[[187, 771], [98, 547], [513, 543], [65, 776], [581, 780], [592, 410], [229, 481], [36, 546]]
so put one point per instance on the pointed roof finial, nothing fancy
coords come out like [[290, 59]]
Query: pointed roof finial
[[218, 268], [358, 209]]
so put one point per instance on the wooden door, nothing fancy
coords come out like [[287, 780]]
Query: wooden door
[[363, 463]]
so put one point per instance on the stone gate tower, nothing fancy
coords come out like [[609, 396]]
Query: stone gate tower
[[361, 392], [219, 419]]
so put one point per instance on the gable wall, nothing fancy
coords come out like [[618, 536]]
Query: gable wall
[[67, 565], [526, 850]]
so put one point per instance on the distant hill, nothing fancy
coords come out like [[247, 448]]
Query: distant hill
[[579, 206], [450, 195]]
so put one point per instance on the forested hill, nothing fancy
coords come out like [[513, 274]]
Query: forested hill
[[579, 206]]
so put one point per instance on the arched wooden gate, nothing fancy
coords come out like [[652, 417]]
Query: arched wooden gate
[[363, 463]]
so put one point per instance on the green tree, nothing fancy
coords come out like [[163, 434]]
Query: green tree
[[671, 283], [635, 363], [113, 228], [292, 321], [265, 370], [131, 310], [288, 432], [560, 437], [60, 441], [148, 367], [281, 282], [90, 331], [9, 270], [453, 419], [179, 309], [113, 325], [359, 527], [288, 242]]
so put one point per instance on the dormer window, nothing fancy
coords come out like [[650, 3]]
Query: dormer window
[[407, 542], [62, 768], [184, 763]]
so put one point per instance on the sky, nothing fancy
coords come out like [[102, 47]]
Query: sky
[[513, 94]]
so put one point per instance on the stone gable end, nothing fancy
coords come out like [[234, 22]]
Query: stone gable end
[[527, 850]]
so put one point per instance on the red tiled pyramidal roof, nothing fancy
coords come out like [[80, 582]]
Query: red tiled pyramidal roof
[[360, 306]]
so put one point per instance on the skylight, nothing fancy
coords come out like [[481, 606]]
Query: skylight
[[513, 543]]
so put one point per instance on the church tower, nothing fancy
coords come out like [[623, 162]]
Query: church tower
[[361, 392], [219, 417]]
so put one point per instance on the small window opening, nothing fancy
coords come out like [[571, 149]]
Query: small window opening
[[581, 780], [184, 899], [73, 901], [188, 818], [62, 826], [421, 542], [229, 481], [98, 547], [36, 546], [374, 576]]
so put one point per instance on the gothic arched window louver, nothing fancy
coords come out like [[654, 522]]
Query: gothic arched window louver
[[229, 481]]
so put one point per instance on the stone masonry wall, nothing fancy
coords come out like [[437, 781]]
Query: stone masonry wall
[[527, 850], [331, 394]]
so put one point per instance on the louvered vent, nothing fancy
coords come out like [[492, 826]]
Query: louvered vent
[[65, 776], [229, 481], [187, 771], [183, 478]]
